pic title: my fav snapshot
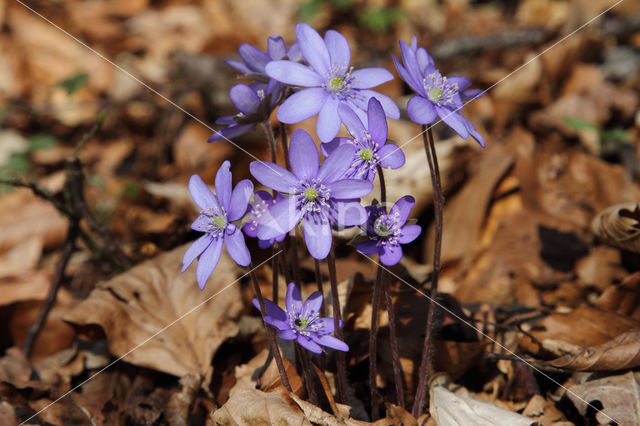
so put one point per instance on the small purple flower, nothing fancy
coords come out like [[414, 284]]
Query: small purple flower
[[370, 143], [301, 321], [317, 194], [215, 220], [437, 96], [328, 81], [255, 60], [254, 102], [387, 231], [262, 201]]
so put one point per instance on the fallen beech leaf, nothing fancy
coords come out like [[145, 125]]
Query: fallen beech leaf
[[618, 354], [619, 396], [624, 298], [544, 411], [619, 226], [132, 307], [23, 257], [452, 409]]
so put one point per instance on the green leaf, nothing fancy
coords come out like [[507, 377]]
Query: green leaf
[[615, 135], [380, 19], [578, 124], [75, 82], [19, 162], [131, 189], [41, 141], [309, 9]]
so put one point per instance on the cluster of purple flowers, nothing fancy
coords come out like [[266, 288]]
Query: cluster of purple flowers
[[314, 77]]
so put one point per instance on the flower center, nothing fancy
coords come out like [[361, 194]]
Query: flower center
[[439, 90], [385, 229], [305, 322], [335, 83], [217, 221], [435, 94], [339, 82], [301, 323], [365, 154], [381, 229], [312, 196]]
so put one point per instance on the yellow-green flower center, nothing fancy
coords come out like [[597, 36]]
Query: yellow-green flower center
[[435, 93], [301, 323], [310, 194], [219, 222], [336, 82], [365, 154]]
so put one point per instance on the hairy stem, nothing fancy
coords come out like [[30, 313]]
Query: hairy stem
[[285, 146], [393, 339], [270, 331], [340, 356], [373, 341], [438, 205]]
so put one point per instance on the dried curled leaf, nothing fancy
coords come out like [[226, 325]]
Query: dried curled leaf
[[619, 226], [620, 353]]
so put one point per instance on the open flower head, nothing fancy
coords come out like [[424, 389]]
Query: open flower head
[[255, 60], [370, 142], [262, 201], [436, 95], [317, 195], [217, 214], [387, 231], [302, 322], [327, 81]]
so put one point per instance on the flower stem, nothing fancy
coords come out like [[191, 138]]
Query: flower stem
[[393, 339], [294, 256], [268, 129], [373, 341], [285, 146], [438, 205], [340, 356], [270, 331], [306, 372]]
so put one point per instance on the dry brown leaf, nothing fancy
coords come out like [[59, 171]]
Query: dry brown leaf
[[22, 258], [134, 306], [544, 411], [619, 396], [450, 405], [563, 333], [619, 226], [624, 298], [618, 354], [601, 267]]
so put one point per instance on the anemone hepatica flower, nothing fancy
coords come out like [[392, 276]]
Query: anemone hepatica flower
[[301, 321], [437, 96], [262, 201], [255, 60], [370, 142], [254, 103], [328, 81], [386, 231], [317, 194], [216, 215]]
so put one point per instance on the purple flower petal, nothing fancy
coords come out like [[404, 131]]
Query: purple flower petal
[[411, 65], [388, 105], [233, 131], [472, 130], [471, 95], [367, 78], [462, 82], [421, 110], [294, 53], [294, 74], [409, 233], [317, 235], [293, 299], [223, 185], [377, 121], [453, 120], [238, 66], [335, 165], [313, 303], [201, 223], [288, 334], [273, 176], [402, 208], [332, 342], [351, 121], [347, 213], [244, 98], [328, 123], [425, 61], [195, 250], [368, 247], [313, 48], [350, 188], [302, 105], [201, 193], [408, 78], [240, 199], [303, 155], [326, 325], [208, 262], [226, 119], [390, 254], [255, 58], [327, 148], [279, 219], [391, 156], [274, 316], [307, 343], [276, 47], [236, 246], [339, 52]]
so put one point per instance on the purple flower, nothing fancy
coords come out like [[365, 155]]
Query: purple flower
[[437, 96], [329, 82], [254, 102], [370, 143], [301, 321], [215, 220], [255, 60], [317, 194], [262, 201], [387, 231]]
